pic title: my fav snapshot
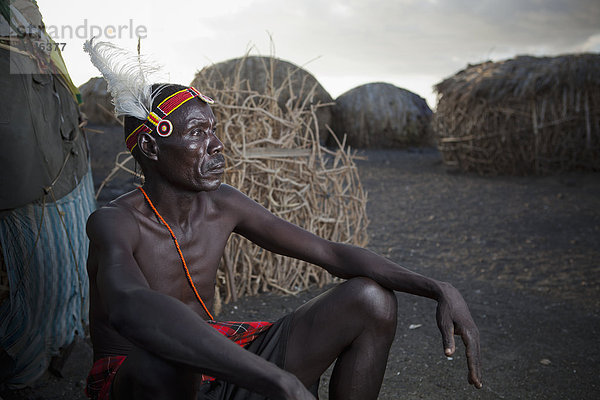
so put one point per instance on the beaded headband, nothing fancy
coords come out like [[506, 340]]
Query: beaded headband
[[157, 118]]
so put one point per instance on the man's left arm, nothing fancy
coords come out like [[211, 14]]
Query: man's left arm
[[346, 261], [452, 314]]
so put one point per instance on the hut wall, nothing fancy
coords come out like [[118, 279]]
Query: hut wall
[[522, 116], [97, 102]]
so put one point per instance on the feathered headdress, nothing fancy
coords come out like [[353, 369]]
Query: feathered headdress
[[127, 77], [133, 95]]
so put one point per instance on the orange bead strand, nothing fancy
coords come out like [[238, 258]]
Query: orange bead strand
[[185, 267]]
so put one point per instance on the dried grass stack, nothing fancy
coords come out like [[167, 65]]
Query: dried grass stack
[[526, 115], [381, 115], [274, 156], [265, 75], [97, 102]]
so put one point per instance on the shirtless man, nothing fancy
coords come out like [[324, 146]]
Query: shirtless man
[[153, 260], [143, 307]]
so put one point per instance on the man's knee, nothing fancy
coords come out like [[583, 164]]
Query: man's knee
[[373, 302]]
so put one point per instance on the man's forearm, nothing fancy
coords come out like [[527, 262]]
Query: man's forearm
[[353, 261], [452, 314], [169, 329]]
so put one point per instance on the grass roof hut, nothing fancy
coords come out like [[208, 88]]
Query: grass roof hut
[[97, 102], [528, 115], [381, 115], [252, 75]]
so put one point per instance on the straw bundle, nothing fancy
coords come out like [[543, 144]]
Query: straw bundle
[[274, 156], [265, 75], [526, 115], [381, 115]]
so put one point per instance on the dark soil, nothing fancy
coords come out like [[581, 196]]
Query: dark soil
[[524, 251]]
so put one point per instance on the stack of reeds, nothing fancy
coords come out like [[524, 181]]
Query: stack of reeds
[[265, 75], [522, 116], [274, 156]]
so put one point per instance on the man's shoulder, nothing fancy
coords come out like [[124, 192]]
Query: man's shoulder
[[226, 190], [116, 218], [121, 207], [233, 202], [228, 195], [227, 198], [127, 201]]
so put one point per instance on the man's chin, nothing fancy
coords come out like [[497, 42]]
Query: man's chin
[[211, 185], [216, 185]]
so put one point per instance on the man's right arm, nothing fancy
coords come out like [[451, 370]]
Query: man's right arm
[[164, 325]]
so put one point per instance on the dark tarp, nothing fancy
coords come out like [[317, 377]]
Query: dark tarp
[[40, 138]]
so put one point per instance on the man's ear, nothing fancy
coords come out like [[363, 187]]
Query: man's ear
[[148, 146]]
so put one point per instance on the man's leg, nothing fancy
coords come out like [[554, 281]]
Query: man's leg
[[146, 376], [354, 322]]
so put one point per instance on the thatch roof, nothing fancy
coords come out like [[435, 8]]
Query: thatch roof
[[381, 115], [97, 102], [263, 75], [521, 116]]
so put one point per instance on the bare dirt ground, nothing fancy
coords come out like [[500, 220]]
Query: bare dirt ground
[[524, 251]]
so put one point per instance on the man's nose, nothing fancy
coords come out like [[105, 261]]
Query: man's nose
[[215, 145]]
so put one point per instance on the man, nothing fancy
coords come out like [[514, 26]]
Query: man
[[152, 265]]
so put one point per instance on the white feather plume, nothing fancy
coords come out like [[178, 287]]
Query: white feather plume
[[127, 76]]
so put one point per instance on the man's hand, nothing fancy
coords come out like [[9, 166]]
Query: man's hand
[[454, 318]]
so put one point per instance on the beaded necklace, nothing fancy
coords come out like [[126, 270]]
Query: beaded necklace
[[187, 272]]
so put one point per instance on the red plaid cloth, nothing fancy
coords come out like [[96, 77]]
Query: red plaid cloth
[[103, 371], [243, 333], [101, 377]]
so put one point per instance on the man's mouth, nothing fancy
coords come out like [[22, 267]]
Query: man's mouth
[[217, 168]]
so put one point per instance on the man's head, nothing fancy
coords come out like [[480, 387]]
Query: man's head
[[183, 149], [170, 129]]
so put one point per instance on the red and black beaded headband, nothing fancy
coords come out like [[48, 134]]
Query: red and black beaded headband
[[157, 118]]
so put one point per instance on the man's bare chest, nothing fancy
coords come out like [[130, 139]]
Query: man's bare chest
[[201, 247]]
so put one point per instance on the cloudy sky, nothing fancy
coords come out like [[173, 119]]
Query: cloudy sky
[[410, 43]]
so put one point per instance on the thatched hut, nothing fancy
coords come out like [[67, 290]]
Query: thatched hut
[[262, 75], [97, 102], [381, 115], [526, 115]]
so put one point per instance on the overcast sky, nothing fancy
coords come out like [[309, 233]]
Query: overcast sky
[[410, 43]]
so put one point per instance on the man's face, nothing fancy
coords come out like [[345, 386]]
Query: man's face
[[191, 157]]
